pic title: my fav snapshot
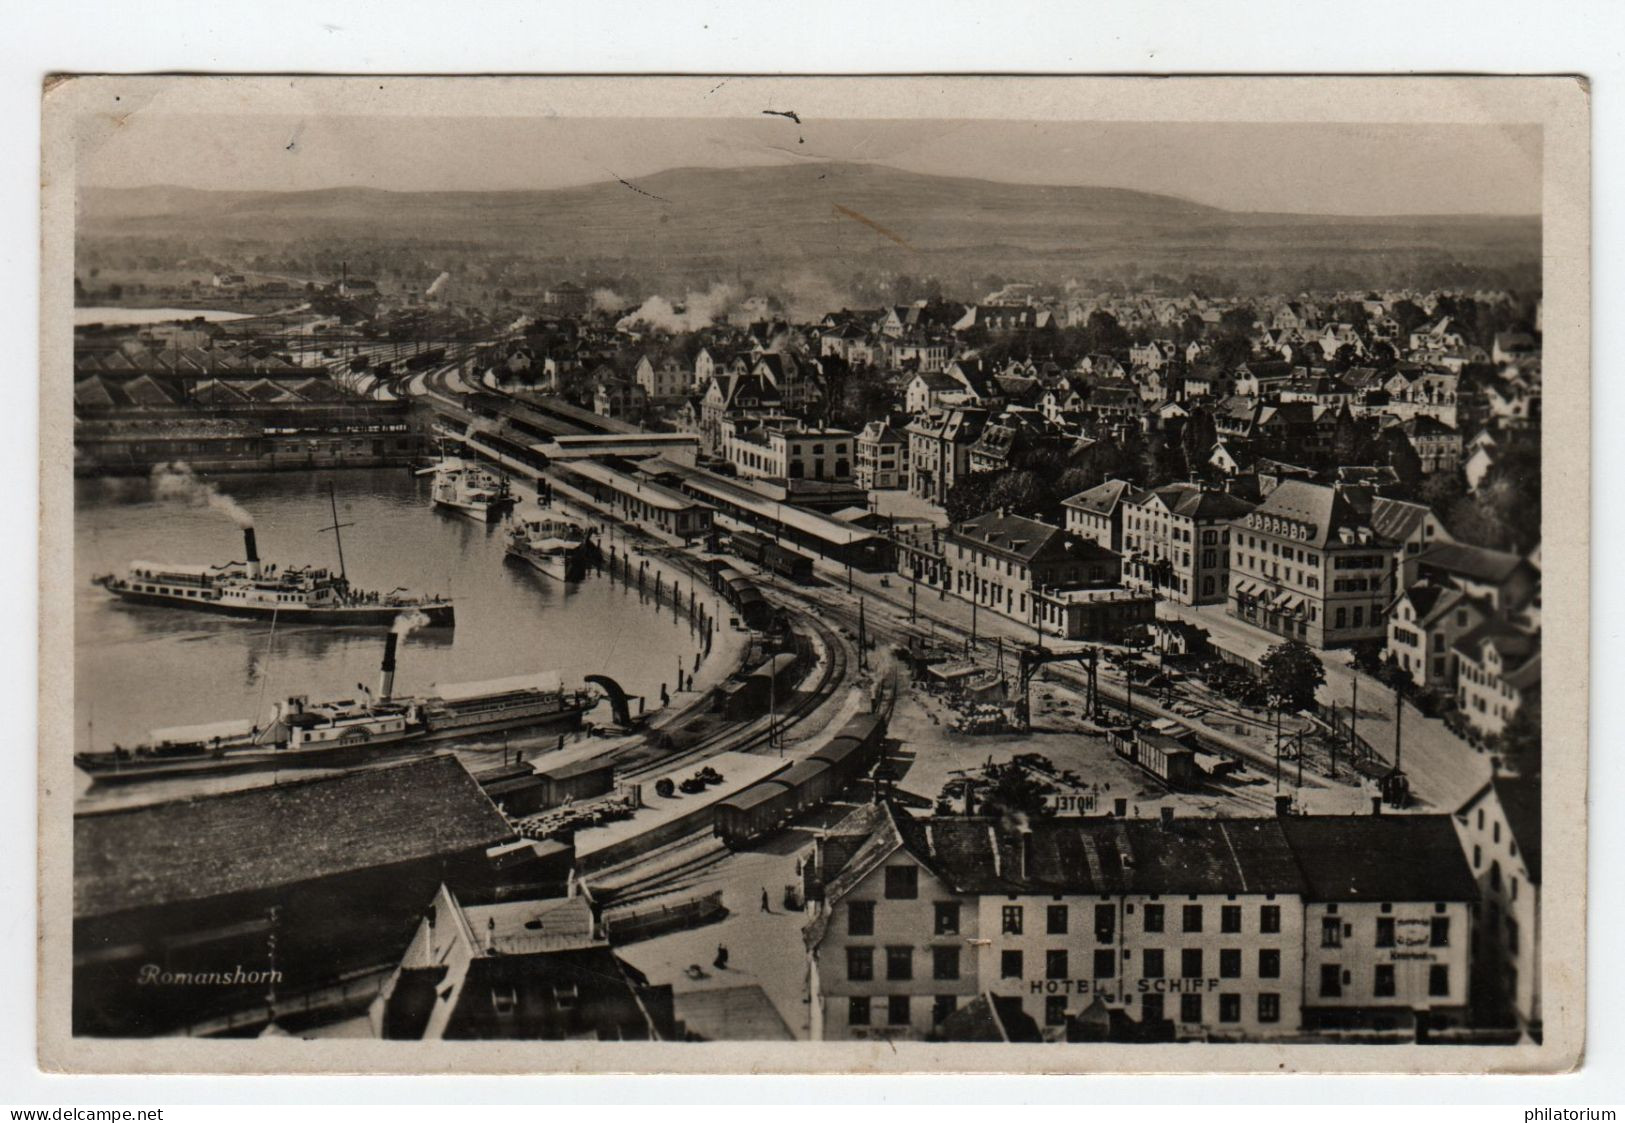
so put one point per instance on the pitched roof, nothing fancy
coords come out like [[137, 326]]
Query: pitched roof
[[1325, 510], [1105, 855], [1395, 520], [1473, 562], [1379, 858], [210, 846], [1102, 499], [1519, 797]]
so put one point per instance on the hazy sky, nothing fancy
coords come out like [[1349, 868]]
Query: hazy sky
[[1322, 169]]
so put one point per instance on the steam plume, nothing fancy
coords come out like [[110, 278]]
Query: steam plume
[[175, 482], [608, 300], [408, 622], [700, 309]]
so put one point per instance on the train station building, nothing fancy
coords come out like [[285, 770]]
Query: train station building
[[1137, 929]]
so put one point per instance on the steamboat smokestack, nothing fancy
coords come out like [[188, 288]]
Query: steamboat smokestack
[[252, 547], [386, 672]]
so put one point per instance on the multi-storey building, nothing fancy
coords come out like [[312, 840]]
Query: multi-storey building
[[1387, 920], [1097, 514], [1423, 627], [664, 378], [939, 447], [1321, 564], [1176, 540], [1500, 833], [882, 457], [999, 561], [778, 448], [1497, 673], [1222, 928]]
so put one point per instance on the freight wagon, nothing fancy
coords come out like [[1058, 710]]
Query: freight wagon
[[770, 555], [770, 803], [752, 695], [742, 594]]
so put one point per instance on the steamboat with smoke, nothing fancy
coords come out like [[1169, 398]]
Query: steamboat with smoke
[[250, 588], [371, 727]]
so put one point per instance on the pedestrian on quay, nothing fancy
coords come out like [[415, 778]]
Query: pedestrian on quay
[[765, 906], [721, 961]]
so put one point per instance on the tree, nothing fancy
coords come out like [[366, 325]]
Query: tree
[[1518, 743], [1293, 673], [1021, 491], [970, 496]]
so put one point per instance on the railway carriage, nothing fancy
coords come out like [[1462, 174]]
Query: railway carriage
[[770, 803]]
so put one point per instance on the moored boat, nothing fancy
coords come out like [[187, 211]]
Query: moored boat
[[464, 487], [347, 733], [555, 545]]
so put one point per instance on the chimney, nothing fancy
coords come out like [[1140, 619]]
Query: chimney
[[252, 547], [1026, 853], [1283, 805], [386, 672], [1167, 818], [1376, 805]]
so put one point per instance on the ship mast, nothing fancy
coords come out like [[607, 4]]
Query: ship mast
[[338, 539]]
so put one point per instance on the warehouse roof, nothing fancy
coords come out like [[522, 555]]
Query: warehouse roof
[[243, 841]]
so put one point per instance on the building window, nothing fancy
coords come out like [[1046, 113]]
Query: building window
[[1190, 963], [1331, 932], [1055, 965], [1151, 963], [1153, 918], [860, 918], [1105, 963], [1055, 920], [902, 883], [947, 918], [1230, 1007], [1190, 1008], [1269, 1007], [1055, 1010], [1151, 1009], [1192, 917], [1331, 981], [897, 1011], [1439, 932], [1269, 918], [945, 963], [1382, 986], [1438, 981], [1010, 920], [1105, 923], [1269, 963], [1385, 931], [1230, 918], [900, 962], [860, 964], [943, 1008], [857, 1010], [1230, 963], [1010, 964]]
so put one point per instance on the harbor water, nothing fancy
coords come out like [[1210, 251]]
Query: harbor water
[[139, 668]]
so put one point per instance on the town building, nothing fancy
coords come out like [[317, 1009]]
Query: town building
[[939, 447], [1150, 929], [1497, 674], [1322, 564], [1505, 581], [882, 458], [1176, 541], [664, 378], [528, 970], [999, 561], [779, 448], [1423, 627], [1097, 514], [1387, 921], [1500, 832]]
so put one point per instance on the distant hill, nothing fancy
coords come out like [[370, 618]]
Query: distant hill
[[827, 218]]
